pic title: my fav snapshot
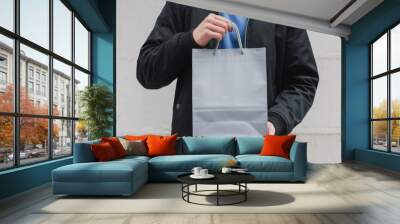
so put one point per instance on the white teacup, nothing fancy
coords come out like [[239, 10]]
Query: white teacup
[[203, 172], [226, 170], [196, 171]]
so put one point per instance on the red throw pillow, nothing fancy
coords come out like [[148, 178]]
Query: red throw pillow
[[103, 152], [161, 145], [116, 145], [277, 145]]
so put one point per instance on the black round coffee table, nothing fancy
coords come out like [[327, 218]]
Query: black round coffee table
[[238, 179]]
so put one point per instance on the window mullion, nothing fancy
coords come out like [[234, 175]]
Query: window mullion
[[389, 100], [16, 84], [73, 82], [371, 142], [50, 81]]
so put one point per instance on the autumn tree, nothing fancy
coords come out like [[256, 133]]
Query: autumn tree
[[380, 127], [33, 131], [6, 122]]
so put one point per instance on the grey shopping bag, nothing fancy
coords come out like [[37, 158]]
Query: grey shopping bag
[[229, 91]]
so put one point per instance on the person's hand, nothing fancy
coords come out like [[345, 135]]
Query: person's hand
[[270, 128], [212, 27]]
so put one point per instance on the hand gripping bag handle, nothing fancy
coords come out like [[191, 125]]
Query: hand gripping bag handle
[[236, 29]]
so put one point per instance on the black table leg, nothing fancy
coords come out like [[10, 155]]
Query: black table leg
[[220, 193], [217, 194], [245, 193], [188, 190]]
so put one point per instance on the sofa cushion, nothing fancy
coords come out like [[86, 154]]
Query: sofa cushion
[[208, 145], [136, 147], [116, 145], [161, 145], [257, 163], [112, 171], [185, 163], [277, 145], [103, 152], [249, 145]]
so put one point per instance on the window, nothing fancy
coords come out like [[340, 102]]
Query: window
[[62, 137], [34, 21], [30, 72], [7, 14], [3, 78], [81, 45], [37, 89], [6, 72], [62, 74], [33, 148], [81, 81], [62, 29], [44, 91], [6, 142], [385, 91], [45, 122], [3, 72], [37, 74], [3, 61], [30, 87]]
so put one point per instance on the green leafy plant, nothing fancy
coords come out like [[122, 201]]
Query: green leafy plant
[[96, 102]]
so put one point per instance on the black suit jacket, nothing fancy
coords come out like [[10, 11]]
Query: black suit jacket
[[292, 73]]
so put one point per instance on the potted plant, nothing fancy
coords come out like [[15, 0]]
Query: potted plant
[[96, 102]]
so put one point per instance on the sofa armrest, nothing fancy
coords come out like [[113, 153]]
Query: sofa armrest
[[83, 152], [298, 155]]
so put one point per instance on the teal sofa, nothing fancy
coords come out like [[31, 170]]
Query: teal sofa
[[125, 176]]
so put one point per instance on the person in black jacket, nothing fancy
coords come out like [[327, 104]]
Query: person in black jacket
[[292, 76]]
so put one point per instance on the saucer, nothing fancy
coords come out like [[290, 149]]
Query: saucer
[[208, 176]]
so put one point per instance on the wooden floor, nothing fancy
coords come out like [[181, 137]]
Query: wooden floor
[[379, 189]]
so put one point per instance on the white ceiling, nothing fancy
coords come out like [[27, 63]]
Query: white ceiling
[[324, 9], [327, 16]]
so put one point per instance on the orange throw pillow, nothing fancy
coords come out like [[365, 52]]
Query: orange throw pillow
[[116, 145], [103, 152], [161, 145], [277, 145]]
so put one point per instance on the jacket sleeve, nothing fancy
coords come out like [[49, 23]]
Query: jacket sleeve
[[167, 50], [294, 101]]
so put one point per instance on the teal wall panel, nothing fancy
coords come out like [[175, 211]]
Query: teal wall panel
[[356, 119], [103, 58], [24, 178], [103, 61], [103, 52], [376, 158], [355, 85]]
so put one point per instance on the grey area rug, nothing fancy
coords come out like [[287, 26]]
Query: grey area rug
[[166, 198]]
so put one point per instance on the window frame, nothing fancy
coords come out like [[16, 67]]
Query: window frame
[[388, 74], [16, 115]]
